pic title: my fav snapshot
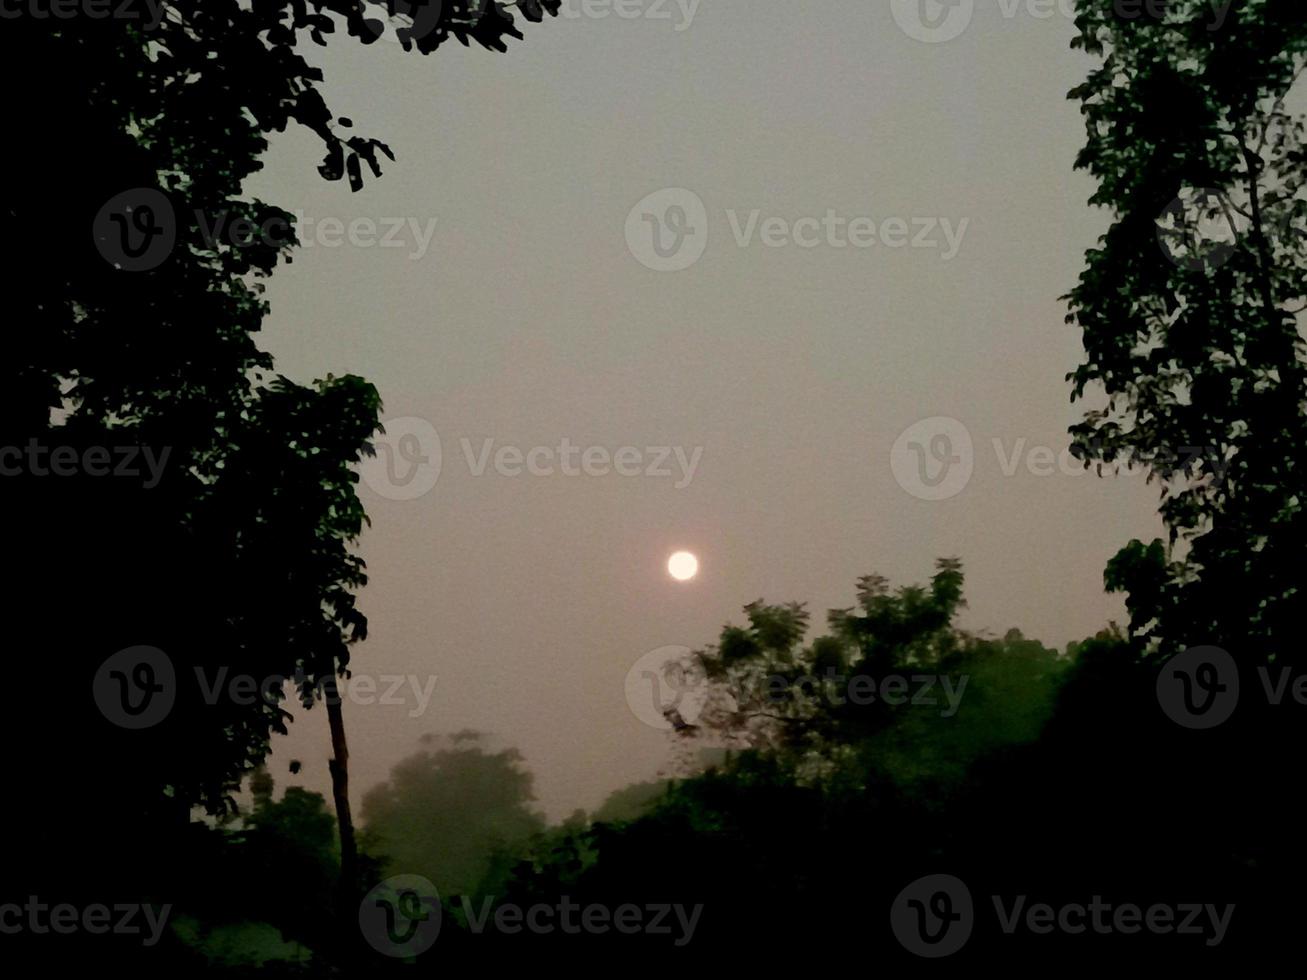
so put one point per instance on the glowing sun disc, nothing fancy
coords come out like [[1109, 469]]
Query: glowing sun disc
[[683, 566]]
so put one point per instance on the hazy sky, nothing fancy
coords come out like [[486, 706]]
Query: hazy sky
[[528, 319]]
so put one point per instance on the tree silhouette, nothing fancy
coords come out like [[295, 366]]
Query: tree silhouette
[[447, 811], [1188, 312], [809, 702], [141, 268], [825, 808]]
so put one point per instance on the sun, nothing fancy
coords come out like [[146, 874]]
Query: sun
[[683, 566]]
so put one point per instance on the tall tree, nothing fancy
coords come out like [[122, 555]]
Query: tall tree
[[137, 270], [1188, 309]]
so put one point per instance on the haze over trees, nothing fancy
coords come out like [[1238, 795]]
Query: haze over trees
[[448, 809], [1021, 769]]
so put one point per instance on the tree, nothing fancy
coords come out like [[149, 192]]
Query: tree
[[138, 269], [826, 807], [1188, 307], [630, 801], [449, 811], [768, 690]]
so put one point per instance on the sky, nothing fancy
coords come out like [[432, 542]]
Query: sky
[[845, 355]]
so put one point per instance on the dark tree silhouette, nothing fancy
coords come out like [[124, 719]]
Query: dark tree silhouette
[[1188, 307], [137, 269]]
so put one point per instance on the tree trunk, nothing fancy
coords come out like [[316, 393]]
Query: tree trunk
[[339, 766]]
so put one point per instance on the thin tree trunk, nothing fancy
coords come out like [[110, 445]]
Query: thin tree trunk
[[339, 766]]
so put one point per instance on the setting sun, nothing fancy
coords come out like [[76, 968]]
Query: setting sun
[[683, 566]]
